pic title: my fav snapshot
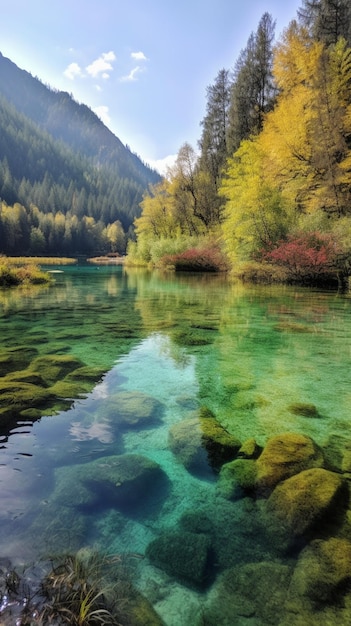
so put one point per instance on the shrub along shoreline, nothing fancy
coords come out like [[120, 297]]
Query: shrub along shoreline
[[16, 271]]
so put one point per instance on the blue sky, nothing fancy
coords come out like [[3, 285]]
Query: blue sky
[[142, 65]]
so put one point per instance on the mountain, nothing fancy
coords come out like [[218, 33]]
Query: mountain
[[58, 155]]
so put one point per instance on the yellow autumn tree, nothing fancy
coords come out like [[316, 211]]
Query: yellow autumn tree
[[256, 213], [305, 136]]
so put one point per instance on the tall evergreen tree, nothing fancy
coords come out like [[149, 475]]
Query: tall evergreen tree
[[253, 92], [213, 142], [327, 20]]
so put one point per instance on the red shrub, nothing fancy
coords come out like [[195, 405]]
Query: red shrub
[[306, 255], [197, 260]]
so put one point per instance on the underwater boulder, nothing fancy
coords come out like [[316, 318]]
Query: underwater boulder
[[252, 593], [18, 396], [283, 456], [132, 409], [54, 367], [200, 443], [183, 555], [320, 584], [303, 501], [13, 359], [250, 449], [304, 409], [140, 611], [237, 479], [126, 482]]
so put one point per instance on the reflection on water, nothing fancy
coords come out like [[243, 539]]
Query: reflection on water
[[157, 452]]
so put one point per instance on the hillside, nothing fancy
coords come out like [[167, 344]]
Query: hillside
[[57, 155]]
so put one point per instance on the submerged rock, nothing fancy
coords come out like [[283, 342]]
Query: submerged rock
[[302, 502], [250, 449], [18, 396], [253, 593], [13, 359], [320, 588], [303, 409], [52, 368], [183, 555], [126, 482], [201, 442], [132, 409], [237, 478], [140, 612], [283, 456]]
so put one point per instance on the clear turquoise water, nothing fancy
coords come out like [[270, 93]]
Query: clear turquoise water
[[245, 353]]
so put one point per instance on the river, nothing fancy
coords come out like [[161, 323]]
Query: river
[[130, 363]]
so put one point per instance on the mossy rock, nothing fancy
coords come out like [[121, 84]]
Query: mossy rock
[[237, 479], [125, 482], [321, 577], [191, 337], [140, 612], [52, 368], [253, 593], [31, 414], [283, 456], [132, 409], [200, 443], [182, 555], [13, 359], [86, 374], [304, 409], [196, 522], [250, 449], [67, 390], [25, 376], [19, 395], [303, 502]]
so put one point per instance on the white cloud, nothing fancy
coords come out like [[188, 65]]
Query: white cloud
[[72, 71], [103, 113], [162, 165], [102, 65], [132, 75], [138, 56]]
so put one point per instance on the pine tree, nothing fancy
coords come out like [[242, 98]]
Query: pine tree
[[253, 90], [327, 20]]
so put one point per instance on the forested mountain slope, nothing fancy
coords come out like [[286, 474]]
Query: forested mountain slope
[[56, 156]]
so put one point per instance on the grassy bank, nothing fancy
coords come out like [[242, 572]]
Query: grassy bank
[[12, 275], [37, 260]]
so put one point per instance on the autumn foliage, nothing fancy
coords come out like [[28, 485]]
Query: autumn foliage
[[307, 255], [197, 260]]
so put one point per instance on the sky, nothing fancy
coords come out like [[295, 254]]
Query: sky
[[142, 66]]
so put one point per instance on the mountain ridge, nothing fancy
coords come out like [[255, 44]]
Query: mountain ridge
[[57, 156]]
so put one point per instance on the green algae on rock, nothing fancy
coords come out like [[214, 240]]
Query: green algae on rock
[[285, 455], [201, 442], [250, 449], [304, 409], [302, 501], [183, 555], [252, 593], [54, 367], [237, 479]]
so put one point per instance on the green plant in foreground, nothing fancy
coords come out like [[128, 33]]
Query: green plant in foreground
[[79, 591]]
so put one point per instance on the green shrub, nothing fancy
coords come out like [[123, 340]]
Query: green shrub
[[265, 273]]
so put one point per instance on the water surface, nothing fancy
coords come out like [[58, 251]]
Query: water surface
[[164, 348]]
